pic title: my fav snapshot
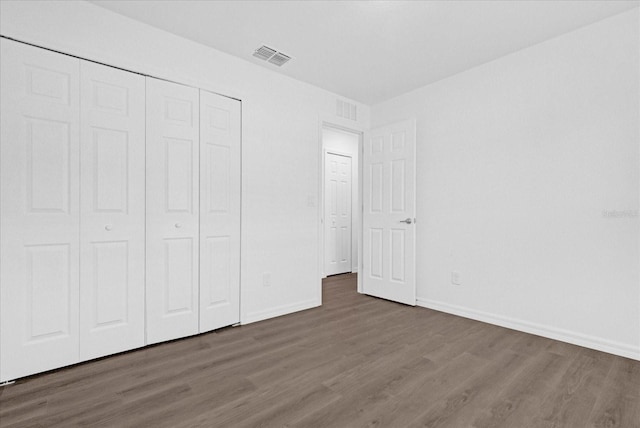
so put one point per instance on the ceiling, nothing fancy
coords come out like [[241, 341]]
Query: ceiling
[[369, 51]]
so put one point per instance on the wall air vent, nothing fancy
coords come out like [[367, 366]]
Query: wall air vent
[[265, 53], [346, 110]]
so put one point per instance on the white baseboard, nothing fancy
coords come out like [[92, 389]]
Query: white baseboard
[[599, 344], [279, 311]]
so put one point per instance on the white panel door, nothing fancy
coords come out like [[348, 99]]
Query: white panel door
[[39, 210], [172, 210], [219, 211], [337, 214], [112, 210], [388, 222]]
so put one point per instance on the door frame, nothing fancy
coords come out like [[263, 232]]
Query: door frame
[[344, 125]]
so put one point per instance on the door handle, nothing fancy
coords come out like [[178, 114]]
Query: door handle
[[408, 221], [108, 227]]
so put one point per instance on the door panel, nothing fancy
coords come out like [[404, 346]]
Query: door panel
[[172, 166], [376, 189], [110, 286], [108, 168], [112, 214], [219, 211], [39, 211], [375, 245], [389, 201], [179, 259], [48, 289], [398, 191], [337, 216], [179, 154], [47, 151]]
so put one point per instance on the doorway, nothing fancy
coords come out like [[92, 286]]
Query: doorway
[[340, 202]]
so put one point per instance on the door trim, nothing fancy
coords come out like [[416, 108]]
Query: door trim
[[339, 124]]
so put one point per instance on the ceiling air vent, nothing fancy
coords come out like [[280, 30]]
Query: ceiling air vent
[[265, 53], [279, 58]]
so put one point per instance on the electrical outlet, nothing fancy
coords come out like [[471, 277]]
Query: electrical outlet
[[266, 279], [455, 277]]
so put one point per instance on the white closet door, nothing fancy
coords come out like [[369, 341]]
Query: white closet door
[[112, 210], [39, 211], [337, 214], [172, 210], [219, 211]]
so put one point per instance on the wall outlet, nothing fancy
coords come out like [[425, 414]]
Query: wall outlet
[[455, 277], [266, 279]]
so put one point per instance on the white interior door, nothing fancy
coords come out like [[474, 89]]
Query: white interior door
[[337, 214], [172, 210], [112, 210], [389, 213], [40, 209], [219, 211]]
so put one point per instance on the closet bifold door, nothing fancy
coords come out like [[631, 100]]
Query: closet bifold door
[[112, 210], [39, 211], [172, 210], [219, 211]]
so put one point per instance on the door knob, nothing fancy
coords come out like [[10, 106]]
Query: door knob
[[108, 227], [408, 221], [178, 225]]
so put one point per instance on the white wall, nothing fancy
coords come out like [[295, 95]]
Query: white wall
[[517, 161], [348, 143], [280, 119]]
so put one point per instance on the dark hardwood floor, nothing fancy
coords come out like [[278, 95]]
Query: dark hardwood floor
[[356, 361]]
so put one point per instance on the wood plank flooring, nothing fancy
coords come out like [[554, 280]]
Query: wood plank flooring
[[357, 361]]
